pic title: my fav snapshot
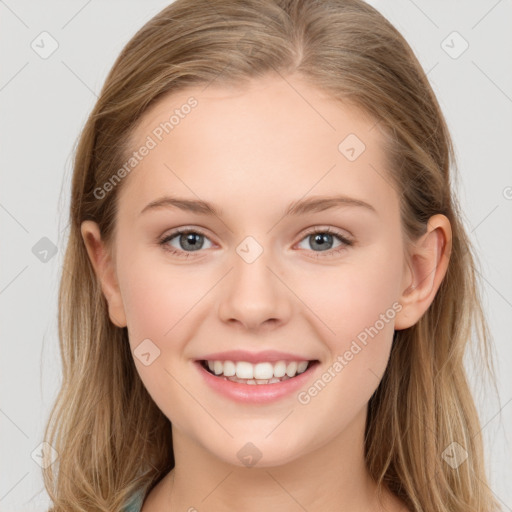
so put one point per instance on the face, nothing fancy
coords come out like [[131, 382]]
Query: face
[[319, 283]]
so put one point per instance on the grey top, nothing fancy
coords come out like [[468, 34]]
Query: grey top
[[135, 503]]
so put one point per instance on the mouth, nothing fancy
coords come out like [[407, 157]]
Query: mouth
[[264, 373]]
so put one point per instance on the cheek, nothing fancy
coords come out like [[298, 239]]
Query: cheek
[[362, 320], [353, 296], [358, 304], [157, 300], [156, 296]]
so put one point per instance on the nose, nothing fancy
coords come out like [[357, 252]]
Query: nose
[[254, 295]]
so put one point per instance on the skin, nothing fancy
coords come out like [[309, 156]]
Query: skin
[[251, 152]]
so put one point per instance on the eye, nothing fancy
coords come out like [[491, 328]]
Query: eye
[[191, 240], [188, 240], [323, 238]]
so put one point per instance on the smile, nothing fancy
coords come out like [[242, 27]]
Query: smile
[[245, 372], [243, 387]]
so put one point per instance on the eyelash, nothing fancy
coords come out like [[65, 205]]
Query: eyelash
[[331, 252]]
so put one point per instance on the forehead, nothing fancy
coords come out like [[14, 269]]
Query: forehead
[[273, 139]]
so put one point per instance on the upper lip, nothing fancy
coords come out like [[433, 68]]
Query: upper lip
[[253, 357]]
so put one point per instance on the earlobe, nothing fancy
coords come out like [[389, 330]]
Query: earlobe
[[101, 260], [427, 266]]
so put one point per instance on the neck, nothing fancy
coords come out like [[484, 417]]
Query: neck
[[330, 477]]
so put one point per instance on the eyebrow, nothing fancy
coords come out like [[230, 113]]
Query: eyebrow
[[301, 207]]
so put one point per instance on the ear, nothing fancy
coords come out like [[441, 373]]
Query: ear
[[426, 268], [101, 260]]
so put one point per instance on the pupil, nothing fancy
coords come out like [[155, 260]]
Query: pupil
[[189, 238], [322, 239]]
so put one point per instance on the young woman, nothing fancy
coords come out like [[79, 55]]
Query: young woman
[[268, 289]]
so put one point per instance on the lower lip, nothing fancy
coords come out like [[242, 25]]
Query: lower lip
[[256, 393]]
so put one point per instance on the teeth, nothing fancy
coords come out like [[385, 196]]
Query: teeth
[[229, 369], [291, 369], [217, 367], [263, 371], [260, 373], [301, 367], [280, 369], [273, 380], [244, 370]]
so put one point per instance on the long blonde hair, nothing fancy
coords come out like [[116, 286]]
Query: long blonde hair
[[110, 436]]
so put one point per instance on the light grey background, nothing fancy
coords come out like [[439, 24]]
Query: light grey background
[[44, 103]]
